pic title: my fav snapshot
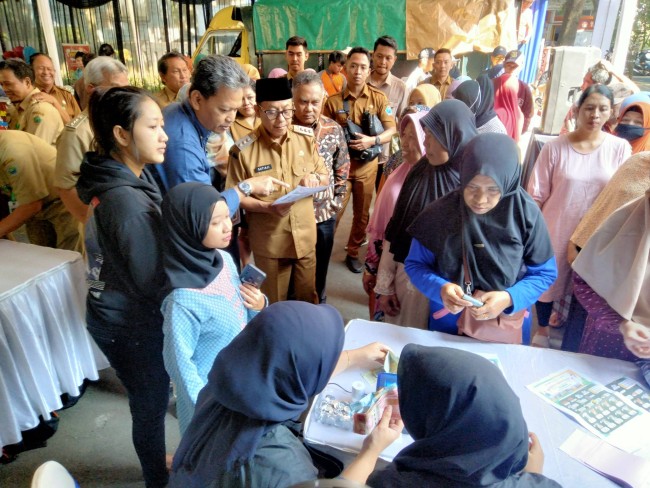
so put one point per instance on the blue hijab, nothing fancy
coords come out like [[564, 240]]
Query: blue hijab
[[466, 422], [265, 376]]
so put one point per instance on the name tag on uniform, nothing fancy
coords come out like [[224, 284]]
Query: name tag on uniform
[[266, 167]]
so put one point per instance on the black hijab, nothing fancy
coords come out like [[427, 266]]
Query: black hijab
[[187, 210], [466, 422], [485, 111], [265, 376], [469, 92], [452, 124], [497, 243]]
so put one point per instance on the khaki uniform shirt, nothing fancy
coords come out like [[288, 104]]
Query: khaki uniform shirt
[[395, 91], [294, 235], [165, 97], [75, 141], [240, 128], [26, 170], [67, 101], [38, 118], [370, 99], [442, 86]]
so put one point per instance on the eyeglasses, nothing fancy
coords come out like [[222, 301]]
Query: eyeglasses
[[273, 113]]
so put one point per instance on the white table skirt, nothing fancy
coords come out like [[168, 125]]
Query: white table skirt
[[523, 365], [45, 350]]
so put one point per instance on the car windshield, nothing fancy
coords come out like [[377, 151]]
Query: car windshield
[[226, 42]]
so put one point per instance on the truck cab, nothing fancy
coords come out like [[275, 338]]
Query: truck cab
[[227, 34]]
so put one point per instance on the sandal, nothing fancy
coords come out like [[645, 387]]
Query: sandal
[[541, 341]]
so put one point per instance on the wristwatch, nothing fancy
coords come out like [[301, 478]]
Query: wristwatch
[[377, 141], [245, 188]]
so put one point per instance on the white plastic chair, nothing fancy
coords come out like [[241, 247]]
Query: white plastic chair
[[52, 475]]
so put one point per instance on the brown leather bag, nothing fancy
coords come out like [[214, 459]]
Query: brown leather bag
[[504, 328]]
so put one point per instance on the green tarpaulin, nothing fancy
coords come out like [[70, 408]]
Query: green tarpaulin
[[328, 25]]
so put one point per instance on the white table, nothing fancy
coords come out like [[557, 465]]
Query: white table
[[45, 350], [523, 365]]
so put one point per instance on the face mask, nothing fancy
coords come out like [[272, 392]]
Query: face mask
[[629, 132]]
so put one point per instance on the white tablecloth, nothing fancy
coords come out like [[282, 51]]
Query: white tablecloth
[[45, 350], [523, 365]]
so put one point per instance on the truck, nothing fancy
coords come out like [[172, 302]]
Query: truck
[[256, 35]]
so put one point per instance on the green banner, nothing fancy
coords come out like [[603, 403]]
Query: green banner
[[328, 25]]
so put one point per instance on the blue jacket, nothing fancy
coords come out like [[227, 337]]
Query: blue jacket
[[419, 266], [185, 157]]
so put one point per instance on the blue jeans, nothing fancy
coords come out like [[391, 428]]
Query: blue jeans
[[324, 243], [138, 363]]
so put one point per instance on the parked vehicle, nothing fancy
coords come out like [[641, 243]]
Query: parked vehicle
[[641, 66]]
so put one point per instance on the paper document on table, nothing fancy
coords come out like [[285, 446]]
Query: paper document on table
[[298, 193], [603, 412], [619, 466], [633, 391]]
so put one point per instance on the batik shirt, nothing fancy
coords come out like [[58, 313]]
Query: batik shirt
[[334, 151]]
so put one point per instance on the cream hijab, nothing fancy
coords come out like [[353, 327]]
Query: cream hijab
[[628, 183], [614, 262]]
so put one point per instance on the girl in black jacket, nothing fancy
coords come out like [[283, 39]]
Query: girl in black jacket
[[124, 298]]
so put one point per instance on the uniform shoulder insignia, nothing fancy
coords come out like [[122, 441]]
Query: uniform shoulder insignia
[[306, 131], [76, 122], [246, 141]]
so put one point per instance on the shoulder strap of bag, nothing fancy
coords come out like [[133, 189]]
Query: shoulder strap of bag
[[466, 274], [346, 107]]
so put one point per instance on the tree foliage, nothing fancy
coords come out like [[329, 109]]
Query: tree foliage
[[641, 32]]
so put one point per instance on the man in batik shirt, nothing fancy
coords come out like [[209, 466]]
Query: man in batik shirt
[[308, 93]]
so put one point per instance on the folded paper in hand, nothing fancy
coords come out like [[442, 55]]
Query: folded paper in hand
[[298, 193]]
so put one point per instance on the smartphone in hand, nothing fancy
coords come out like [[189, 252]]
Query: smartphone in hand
[[473, 301], [253, 275]]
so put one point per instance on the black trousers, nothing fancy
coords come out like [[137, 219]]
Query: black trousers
[[324, 243]]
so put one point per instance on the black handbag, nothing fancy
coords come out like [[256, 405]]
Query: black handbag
[[370, 126]]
